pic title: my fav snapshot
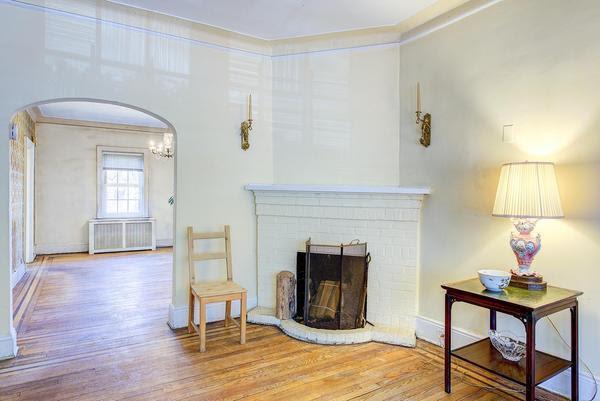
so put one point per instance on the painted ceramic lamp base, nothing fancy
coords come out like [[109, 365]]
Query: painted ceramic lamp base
[[525, 246]]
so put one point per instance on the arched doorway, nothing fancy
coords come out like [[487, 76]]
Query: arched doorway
[[93, 176]]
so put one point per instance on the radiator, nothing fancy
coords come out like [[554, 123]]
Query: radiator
[[115, 235]]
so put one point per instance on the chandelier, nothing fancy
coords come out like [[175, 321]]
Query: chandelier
[[164, 149]]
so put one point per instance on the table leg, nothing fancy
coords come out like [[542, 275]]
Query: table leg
[[448, 345], [574, 352], [530, 358], [492, 319]]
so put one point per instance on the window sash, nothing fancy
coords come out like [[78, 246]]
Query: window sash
[[122, 179]]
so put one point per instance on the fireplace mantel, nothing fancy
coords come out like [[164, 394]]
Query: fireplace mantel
[[386, 217], [348, 189]]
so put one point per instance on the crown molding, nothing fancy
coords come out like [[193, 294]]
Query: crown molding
[[447, 18], [151, 22], [437, 16], [375, 36]]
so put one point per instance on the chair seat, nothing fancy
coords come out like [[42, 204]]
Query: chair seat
[[215, 288]]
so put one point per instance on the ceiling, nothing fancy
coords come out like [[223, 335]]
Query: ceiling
[[284, 19], [99, 113]]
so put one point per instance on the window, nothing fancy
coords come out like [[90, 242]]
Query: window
[[122, 184]]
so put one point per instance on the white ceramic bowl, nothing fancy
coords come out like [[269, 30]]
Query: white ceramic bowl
[[494, 280]]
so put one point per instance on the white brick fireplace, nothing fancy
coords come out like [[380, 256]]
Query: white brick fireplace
[[387, 218]]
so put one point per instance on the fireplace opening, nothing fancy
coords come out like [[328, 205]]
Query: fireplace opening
[[332, 285]]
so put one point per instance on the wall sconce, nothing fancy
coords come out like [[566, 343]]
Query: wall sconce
[[246, 126], [424, 122]]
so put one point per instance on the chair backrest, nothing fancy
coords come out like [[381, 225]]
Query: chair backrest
[[198, 257]]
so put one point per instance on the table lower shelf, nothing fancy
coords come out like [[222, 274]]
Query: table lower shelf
[[483, 354]]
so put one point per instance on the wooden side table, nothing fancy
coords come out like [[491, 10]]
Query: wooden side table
[[528, 307]]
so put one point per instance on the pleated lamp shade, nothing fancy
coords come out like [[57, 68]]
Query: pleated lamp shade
[[528, 190]]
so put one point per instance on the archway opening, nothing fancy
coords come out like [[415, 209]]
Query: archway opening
[[92, 220]]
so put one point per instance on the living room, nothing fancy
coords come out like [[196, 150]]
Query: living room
[[400, 124]]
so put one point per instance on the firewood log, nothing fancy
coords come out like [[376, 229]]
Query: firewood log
[[285, 301], [326, 300]]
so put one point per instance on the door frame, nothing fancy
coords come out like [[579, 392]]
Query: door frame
[[29, 200]]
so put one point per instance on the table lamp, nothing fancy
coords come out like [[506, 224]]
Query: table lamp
[[527, 192]]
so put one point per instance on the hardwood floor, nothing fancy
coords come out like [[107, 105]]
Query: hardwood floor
[[94, 328]]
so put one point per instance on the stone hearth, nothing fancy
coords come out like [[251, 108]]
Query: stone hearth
[[387, 218]]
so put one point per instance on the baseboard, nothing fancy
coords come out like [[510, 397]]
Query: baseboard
[[54, 249], [17, 275], [430, 330], [8, 345], [214, 312], [164, 243]]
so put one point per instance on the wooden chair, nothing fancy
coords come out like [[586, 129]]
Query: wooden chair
[[210, 292]]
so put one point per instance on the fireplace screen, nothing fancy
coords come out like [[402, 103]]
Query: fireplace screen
[[335, 285]]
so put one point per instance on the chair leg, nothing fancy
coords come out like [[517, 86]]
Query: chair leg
[[243, 319], [191, 312], [227, 312], [202, 328]]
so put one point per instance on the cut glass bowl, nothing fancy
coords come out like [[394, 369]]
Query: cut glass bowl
[[508, 344]]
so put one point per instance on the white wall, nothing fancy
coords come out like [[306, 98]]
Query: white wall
[[335, 117], [201, 90], [65, 184], [529, 63]]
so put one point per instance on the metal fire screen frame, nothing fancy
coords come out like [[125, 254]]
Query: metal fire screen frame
[[354, 248]]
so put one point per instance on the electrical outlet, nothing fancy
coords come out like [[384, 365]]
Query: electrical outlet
[[508, 133]]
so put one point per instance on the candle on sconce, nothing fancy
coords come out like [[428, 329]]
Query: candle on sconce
[[250, 107], [246, 125], [424, 122]]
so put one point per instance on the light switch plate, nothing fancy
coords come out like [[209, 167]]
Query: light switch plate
[[508, 134]]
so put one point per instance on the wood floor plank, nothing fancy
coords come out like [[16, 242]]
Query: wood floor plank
[[94, 328]]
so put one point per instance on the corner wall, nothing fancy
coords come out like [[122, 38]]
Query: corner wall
[[533, 64]]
